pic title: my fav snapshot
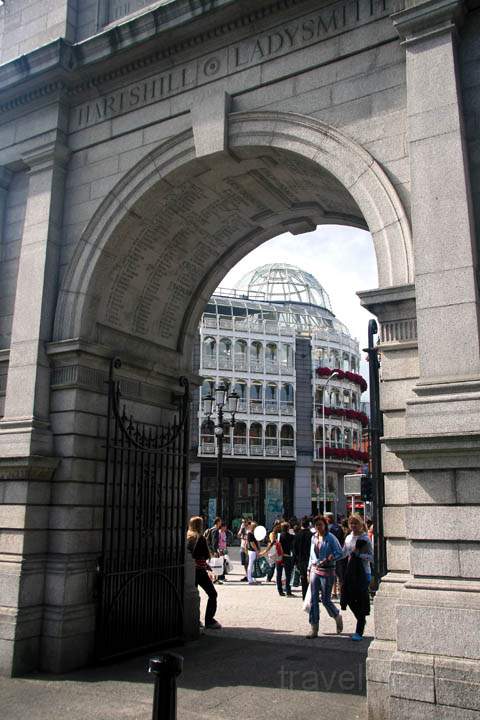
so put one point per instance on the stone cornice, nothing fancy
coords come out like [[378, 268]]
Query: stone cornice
[[61, 66], [428, 18], [45, 156], [422, 452]]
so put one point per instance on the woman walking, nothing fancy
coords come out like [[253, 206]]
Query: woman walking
[[325, 550], [197, 545], [358, 531], [355, 584], [253, 551]]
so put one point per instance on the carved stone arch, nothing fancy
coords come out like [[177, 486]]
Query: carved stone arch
[[368, 198]]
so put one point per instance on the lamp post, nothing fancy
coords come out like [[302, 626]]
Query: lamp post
[[334, 374], [220, 400]]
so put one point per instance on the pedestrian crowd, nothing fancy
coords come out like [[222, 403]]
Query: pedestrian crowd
[[330, 561]]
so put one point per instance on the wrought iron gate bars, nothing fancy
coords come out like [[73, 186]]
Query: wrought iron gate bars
[[143, 537]]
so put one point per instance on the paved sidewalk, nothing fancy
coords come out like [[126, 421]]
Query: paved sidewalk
[[260, 665]]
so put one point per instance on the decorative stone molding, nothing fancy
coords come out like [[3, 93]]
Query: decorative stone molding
[[81, 376], [46, 156], [395, 309], [398, 331], [426, 19], [34, 467]]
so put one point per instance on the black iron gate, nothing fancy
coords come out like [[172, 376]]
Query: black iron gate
[[141, 571]]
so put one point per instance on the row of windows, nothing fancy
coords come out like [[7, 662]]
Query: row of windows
[[255, 432], [225, 353], [338, 398], [255, 390], [334, 437], [329, 357]]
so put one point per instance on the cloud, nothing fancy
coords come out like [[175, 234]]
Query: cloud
[[341, 258]]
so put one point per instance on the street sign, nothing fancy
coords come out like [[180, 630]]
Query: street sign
[[352, 484]]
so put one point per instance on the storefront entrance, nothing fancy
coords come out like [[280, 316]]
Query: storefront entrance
[[262, 494]]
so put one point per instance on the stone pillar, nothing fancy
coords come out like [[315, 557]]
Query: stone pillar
[[26, 465], [424, 661], [395, 309], [5, 177], [24, 429]]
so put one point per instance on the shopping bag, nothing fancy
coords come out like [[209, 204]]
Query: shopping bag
[[308, 599], [228, 564], [260, 568], [216, 565]]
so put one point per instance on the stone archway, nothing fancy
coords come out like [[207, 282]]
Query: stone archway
[[175, 224], [336, 181]]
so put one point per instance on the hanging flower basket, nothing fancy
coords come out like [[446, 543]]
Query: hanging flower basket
[[345, 454], [348, 414], [343, 375]]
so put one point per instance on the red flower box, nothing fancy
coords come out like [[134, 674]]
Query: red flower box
[[345, 454], [343, 375], [347, 413]]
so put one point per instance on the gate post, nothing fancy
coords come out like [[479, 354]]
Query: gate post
[[166, 669]]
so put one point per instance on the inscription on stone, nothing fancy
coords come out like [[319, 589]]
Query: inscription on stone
[[280, 40]]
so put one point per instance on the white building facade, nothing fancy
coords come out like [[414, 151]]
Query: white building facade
[[275, 341]]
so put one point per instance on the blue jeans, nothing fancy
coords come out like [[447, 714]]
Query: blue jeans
[[322, 584]]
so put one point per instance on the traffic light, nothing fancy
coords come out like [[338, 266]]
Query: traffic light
[[366, 488]]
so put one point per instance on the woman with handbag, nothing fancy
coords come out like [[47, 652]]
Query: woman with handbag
[[197, 546], [270, 551], [325, 550]]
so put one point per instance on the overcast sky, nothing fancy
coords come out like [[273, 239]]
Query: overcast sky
[[341, 258]]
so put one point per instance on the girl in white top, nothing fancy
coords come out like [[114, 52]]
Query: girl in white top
[[358, 530]]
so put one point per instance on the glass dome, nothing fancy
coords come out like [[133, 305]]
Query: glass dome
[[279, 282]]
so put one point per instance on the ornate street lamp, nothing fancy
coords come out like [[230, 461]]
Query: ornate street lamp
[[222, 402]]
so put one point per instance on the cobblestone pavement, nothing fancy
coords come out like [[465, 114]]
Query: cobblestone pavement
[[258, 666]]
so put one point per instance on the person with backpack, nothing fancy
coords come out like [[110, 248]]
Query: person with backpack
[[355, 594], [198, 548]]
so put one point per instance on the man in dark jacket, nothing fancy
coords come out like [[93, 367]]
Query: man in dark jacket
[[301, 552]]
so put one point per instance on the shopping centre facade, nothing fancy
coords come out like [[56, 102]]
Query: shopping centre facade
[[275, 341]]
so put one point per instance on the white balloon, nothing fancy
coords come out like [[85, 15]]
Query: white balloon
[[260, 533]]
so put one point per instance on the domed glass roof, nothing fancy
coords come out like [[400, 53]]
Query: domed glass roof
[[280, 282]]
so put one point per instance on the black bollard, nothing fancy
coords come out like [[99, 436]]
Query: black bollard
[[166, 669]]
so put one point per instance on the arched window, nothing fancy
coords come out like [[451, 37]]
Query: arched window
[[256, 356], [347, 438], [240, 388], [287, 440], [207, 437], [240, 438], [271, 398], [287, 399], [271, 439], [345, 361], [356, 444], [207, 387], [241, 359], [271, 357], [319, 435], [225, 354], [336, 437], [286, 356], [346, 398], [255, 439], [256, 397], [209, 358], [354, 401]]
